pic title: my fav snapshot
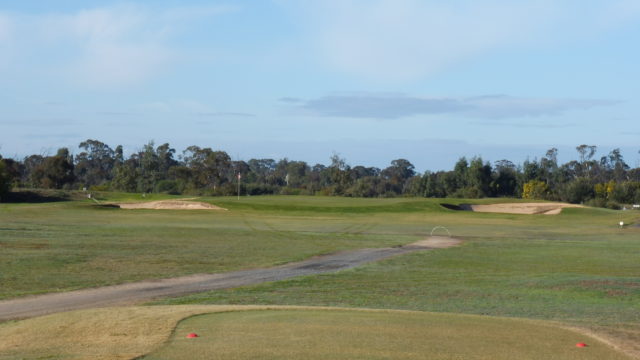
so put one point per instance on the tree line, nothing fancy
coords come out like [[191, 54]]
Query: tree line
[[608, 181]]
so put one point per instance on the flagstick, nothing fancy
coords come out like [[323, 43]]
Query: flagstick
[[239, 176]]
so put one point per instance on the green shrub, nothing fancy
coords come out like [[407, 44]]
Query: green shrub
[[578, 191], [168, 186], [5, 180], [535, 189]]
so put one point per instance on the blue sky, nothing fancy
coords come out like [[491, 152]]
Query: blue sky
[[371, 80]]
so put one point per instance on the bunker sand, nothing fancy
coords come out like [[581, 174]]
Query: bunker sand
[[170, 205], [524, 208], [132, 293], [521, 208]]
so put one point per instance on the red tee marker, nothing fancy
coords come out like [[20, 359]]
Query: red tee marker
[[192, 335], [581, 344]]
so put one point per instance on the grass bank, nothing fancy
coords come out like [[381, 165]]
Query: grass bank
[[289, 332]]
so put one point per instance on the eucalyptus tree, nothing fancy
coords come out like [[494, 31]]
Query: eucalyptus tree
[[586, 153], [209, 168], [94, 165], [504, 178]]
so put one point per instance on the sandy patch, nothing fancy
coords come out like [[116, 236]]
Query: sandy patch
[[524, 208], [437, 242], [170, 205], [551, 208]]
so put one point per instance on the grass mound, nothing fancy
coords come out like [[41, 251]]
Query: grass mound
[[357, 334], [288, 332]]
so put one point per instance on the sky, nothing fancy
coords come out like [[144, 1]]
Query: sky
[[369, 80]]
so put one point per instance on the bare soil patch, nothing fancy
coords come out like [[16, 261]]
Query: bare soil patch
[[132, 293], [437, 242], [170, 205], [551, 208]]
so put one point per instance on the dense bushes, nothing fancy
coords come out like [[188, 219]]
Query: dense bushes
[[5, 180]]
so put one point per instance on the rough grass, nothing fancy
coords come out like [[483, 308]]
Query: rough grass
[[245, 332], [66, 245], [108, 333], [62, 246]]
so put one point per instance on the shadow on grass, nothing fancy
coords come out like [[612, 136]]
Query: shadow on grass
[[460, 207], [36, 196]]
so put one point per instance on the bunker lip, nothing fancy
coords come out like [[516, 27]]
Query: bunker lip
[[545, 208], [169, 205], [132, 293]]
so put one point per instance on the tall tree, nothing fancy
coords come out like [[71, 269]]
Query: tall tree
[[586, 153], [209, 167], [339, 174], [618, 165], [398, 174], [94, 165], [505, 178], [479, 178], [56, 172]]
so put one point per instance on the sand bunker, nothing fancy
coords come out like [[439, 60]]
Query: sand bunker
[[170, 205], [516, 208]]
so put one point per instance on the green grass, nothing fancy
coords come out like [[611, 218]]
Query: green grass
[[68, 245], [240, 332], [339, 334], [577, 267], [533, 279]]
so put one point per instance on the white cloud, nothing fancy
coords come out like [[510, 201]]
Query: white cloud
[[394, 106], [5, 27], [5, 36], [501, 107], [117, 46], [399, 40], [621, 12], [115, 64], [112, 46]]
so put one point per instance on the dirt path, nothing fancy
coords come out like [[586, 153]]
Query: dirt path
[[128, 294]]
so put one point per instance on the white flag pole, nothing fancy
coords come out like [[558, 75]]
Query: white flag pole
[[239, 176]]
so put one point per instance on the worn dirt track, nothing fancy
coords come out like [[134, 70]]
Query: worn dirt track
[[128, 294]]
